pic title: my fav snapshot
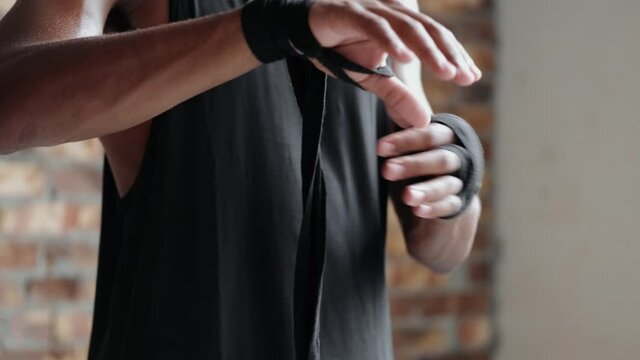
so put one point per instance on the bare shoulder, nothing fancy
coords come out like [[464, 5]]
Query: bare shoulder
[[32, 22]]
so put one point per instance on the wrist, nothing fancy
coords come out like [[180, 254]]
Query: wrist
[[276, 30]]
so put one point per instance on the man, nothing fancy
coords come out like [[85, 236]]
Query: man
[[221, 238]]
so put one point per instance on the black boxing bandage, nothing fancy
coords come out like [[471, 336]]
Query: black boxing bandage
[[469, 149], [277, 29]]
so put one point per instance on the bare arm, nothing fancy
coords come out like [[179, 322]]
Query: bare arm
[[62, 81], [439, 244]]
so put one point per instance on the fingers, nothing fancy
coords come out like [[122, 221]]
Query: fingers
[[405, 105], [401, 123], [403, 34], [434, 198], [377, 29], [414, 139], [445, 207], [466, 70], [415, 36], [434, 162], [431, 191], [451, 48], [472, 65]]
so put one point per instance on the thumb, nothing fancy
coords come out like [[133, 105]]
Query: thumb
[[403, 105]]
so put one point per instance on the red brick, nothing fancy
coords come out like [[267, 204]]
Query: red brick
[[84, 218], [10, 294], [32, 325], [410, 275], [477, 29], [440, 305], [417, 306], [403, 306], [80, 255], [488, 154], [474, 302], [480, 271], [482, 355], [33, 219], [447, 6], [395, 239], [71, 327], [47, 290], [433, 340], [486, 219], [16, 256], [74, 181], [482, 240], [478, 93], [57, 354], [21, 179], [484, 56], [475, 332], [487, 182], [25, 355], [72, 354], [86, 291], [442, 95], [480, 116]]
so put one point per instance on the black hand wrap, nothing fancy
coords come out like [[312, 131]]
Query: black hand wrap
[[276, 29], [469, 150]]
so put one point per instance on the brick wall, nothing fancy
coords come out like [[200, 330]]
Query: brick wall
[[451, 317], [50, 215]]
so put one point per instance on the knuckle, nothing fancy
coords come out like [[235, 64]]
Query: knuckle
[[411, 162], [425, 138], [411, 25], [448, 161], [351, 6], [383, 25], [396, 3], [379, 24]]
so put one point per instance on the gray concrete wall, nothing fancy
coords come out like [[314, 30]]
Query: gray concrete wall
[[5, 5], [567, 181]]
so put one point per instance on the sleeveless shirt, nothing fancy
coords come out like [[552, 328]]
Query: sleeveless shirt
[[202, 258]]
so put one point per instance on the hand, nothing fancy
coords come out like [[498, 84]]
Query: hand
[[412, 153], [366, 32]]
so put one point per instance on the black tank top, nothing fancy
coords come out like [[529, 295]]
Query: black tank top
[[207, 256]]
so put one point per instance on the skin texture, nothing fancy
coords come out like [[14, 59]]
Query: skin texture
[[439, 244], [68, 81]]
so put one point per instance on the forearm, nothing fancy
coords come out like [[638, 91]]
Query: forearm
[[83, 88], [439, 244]]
